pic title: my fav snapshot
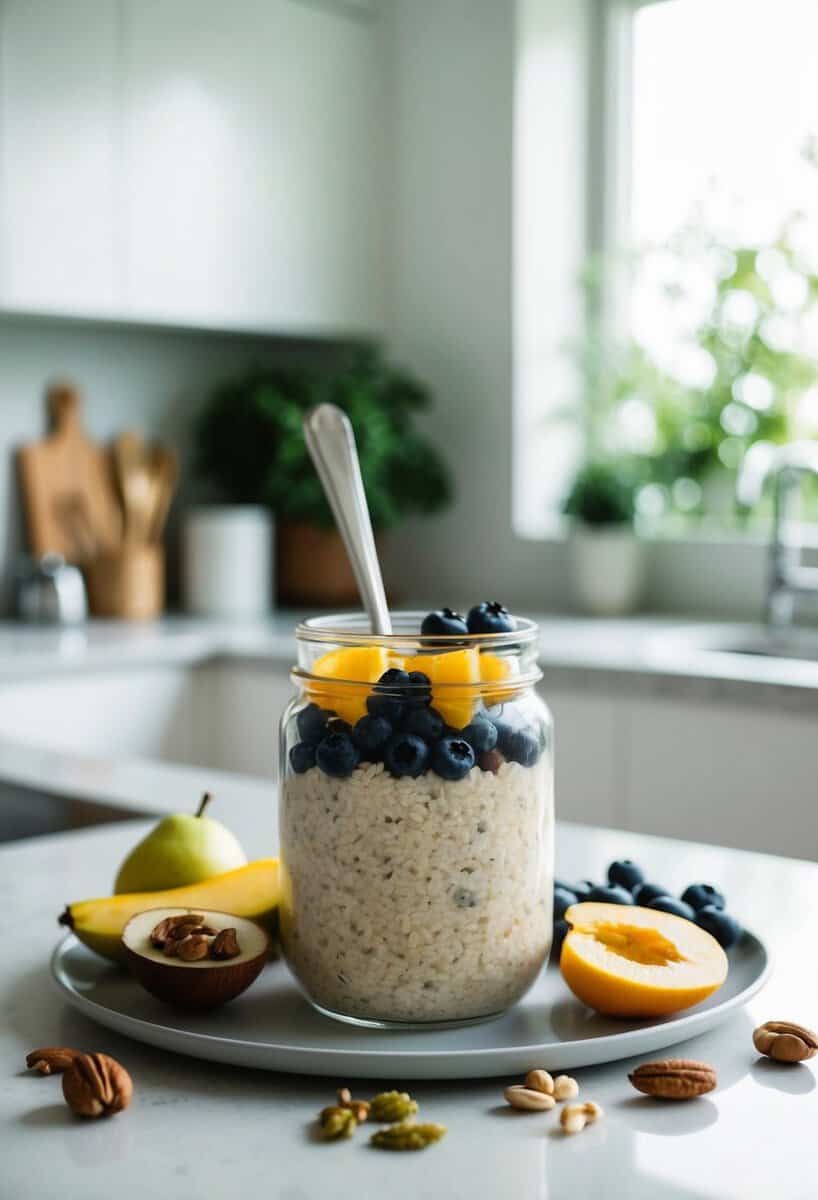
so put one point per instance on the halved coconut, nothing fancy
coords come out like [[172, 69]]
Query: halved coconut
[[205, 982]]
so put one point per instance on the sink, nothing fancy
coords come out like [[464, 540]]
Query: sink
[[755, 641], [799, 644]]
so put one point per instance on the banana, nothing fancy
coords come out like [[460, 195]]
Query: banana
[[251, 891]]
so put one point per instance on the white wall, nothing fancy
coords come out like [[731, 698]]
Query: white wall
[[452, 293], [146, 379]]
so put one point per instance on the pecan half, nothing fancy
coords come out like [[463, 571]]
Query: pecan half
[[169, 928], [785, 1042], [96, 1086], [193, 947], [225, 944], [674, 1078], [51, 1060]]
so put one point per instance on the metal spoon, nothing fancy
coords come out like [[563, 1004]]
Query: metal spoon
[[331, 444]]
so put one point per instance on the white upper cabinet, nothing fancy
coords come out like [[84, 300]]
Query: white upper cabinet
[[223, 161], [58, 150]]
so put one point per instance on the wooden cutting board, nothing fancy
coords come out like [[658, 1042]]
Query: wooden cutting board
[[67, 484]]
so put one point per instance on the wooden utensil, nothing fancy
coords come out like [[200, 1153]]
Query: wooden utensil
[[135, 487], [67, 473], [164, 466]]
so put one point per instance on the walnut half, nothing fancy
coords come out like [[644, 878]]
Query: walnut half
[[96, 1085]]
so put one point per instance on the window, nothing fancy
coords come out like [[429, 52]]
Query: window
[[702, 176]]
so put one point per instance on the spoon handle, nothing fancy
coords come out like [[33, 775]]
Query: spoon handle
[[331, 444]]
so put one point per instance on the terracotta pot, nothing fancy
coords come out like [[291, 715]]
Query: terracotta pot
[[313, 568]]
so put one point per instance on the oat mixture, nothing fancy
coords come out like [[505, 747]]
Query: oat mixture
[[417, 899]]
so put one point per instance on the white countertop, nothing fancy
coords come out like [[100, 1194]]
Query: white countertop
[[198, 1130]]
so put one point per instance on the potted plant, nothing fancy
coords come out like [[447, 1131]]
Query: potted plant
[[607, 557], [249, 445]]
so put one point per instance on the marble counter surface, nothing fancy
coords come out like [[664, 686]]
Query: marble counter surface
[[199, 1130]]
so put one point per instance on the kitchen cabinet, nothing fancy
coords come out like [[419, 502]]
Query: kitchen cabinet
[[192, 163], [58, 156], [589, 764], [250, 164]]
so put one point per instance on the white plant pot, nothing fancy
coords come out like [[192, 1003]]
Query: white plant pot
[[608, 568], [228, 561]]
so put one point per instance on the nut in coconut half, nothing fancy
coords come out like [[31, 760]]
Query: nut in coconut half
[[194, 958]]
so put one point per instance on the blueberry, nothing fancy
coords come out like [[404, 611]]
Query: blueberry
[[302, 757], [670, 904], [562, 899], [406, 754], [518, 745], [612, 894], [419, 690], [489, 616], [388, 697], [312, 723], [424, 722], [337, 756], [443, 620], [582, 890], [370, 735], [702, 895], [647, 892], [480, 733], [626, 874], [724, 928], [339, 725], [560, 930], [452, 758]]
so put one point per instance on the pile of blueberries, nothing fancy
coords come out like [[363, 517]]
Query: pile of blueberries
[[404, 732], [700, 902]]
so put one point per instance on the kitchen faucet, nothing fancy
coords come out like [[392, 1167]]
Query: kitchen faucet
[[786, 465]]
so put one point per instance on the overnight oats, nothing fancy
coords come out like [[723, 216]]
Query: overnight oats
[[417, 818]]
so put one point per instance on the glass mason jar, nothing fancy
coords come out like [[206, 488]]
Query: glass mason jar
[[416, 822]]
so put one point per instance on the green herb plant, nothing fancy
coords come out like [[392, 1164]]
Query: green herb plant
[[249, 444]]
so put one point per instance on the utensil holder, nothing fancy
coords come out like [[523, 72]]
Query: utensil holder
[[128, 583]]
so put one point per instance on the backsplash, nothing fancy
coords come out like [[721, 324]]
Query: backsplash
[[142, 378]]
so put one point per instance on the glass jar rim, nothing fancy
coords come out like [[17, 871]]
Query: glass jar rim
[[344, 630], [352, 629]]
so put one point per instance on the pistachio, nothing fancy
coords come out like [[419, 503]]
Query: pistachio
[[674, 1078], [359, 1108], [528, 1099], [540, 1081], [387, 1107], [565, 1088], [336, 1122], [785, 1042], [408, 1135], [96, 1085]]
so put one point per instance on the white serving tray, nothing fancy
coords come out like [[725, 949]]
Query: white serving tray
[[273, 1027]]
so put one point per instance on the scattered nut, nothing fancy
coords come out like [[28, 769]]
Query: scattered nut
[[359, 1108], [336, 1122], [565, 1088], [388, 1107], [529, 1099], [785, 1042], [408, 1135], [193, 947], [540, 1081], [574, 1117], [225, 944], [674, 1078], [96, 1086], [51, 1060], [167, 928]]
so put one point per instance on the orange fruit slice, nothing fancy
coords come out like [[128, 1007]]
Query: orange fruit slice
[[358, 667], [455, 704], [635, 962]]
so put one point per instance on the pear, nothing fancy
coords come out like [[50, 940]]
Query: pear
[[183, 848]]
